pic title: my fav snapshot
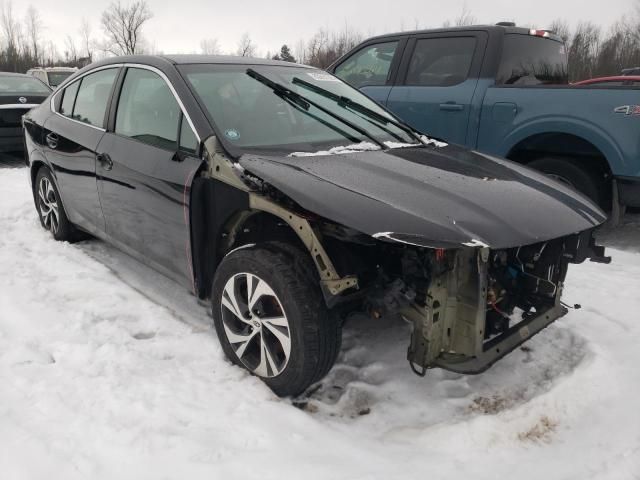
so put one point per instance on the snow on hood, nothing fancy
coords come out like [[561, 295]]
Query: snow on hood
[[367, 147]]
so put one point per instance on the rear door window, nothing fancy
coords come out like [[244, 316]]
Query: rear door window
[[441, 62], [93, 96], [369, 66], [531, 60]]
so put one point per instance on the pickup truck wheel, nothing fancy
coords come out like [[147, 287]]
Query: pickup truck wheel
[[579, 177], [271, 319], [50, 210]]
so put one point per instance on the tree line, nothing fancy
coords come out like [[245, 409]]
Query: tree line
[[592, 50]]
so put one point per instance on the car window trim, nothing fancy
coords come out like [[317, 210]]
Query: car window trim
[[125, 65], [52, 102]]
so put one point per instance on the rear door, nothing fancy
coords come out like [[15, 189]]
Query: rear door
[[146, 164], [71, 137], [437, 81], [372, 67]]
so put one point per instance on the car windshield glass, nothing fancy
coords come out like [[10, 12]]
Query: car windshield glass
[[19, 84], [56, 78], [277, 109]]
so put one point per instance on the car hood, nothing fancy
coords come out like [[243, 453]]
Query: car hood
[[428, 196]]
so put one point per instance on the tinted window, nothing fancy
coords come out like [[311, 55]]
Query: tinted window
[[147, 110], [92, 98], [369, 66], [531, 60], [22, 84], [68, 97], [441, 62], [188, 140]]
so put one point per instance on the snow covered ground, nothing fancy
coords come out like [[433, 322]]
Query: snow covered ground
[[109, 370]]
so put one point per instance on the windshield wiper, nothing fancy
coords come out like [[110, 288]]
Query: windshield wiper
[[346, 102], [303, 102]]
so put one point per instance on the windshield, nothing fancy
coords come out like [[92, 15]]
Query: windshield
[[291, 109], [56, 78], [20, 84]]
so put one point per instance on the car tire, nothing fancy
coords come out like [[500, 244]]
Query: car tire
[[50, 209], [285, 336], [578, 176]]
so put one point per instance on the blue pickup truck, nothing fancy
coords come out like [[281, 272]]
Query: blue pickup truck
[[504, 90]]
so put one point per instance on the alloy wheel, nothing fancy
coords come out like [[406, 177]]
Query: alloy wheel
[[48, 205], [256, 325]]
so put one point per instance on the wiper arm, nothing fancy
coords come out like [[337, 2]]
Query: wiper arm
[[304, 102], [357, 107]]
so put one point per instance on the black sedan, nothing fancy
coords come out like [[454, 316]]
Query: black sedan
[[18, 94], [289, 200]]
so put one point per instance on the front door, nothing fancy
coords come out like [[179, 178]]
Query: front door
[[145, 168], [434, 93]]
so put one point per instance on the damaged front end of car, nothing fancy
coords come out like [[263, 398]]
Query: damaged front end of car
[[470, 307], [471, 295]]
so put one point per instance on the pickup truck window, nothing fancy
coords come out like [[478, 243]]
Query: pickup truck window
[[532, 60], [441, 62], [368, 67]]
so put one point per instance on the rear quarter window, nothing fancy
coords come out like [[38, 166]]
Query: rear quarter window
[[531, 60]]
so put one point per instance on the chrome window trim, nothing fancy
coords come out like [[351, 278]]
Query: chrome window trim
[[155, 70], [25, 106], [60, 90]]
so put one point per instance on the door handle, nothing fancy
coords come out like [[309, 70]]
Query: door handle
[[52, 140], [451, 107], [105, 160]]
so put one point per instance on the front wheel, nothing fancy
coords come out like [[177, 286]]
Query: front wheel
[[271, 319]]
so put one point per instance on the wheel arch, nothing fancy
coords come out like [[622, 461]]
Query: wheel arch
[[563, 137]]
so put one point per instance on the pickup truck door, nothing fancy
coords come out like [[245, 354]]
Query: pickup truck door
[[372, 68], [436, 83]]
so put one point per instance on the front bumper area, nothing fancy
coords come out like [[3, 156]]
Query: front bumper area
[[498, 347]]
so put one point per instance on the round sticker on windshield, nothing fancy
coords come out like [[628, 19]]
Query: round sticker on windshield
[[232, 134]]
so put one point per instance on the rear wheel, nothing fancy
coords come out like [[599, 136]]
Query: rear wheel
[[271, 319], [50, 209], [580, 177]]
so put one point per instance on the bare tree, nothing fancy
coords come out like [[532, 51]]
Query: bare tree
[[71, 51], [33, 25], [465, 18], [246, 47], [122, 25], [10, 29], [210, 46], [561, 28], [87, 42]]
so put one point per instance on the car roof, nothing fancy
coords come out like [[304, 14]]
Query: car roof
[[503, 28], [189, 59]]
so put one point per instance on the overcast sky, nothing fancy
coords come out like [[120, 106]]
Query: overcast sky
[[178, 26]]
